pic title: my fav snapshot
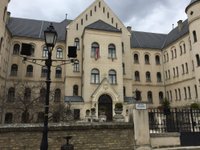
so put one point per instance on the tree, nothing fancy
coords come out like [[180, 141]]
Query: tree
[[22, 97], [60, 112], [27, 100]]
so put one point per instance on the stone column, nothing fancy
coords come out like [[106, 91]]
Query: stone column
[[141, 127]]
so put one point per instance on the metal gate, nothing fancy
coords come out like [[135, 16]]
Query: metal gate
[[185, 121]]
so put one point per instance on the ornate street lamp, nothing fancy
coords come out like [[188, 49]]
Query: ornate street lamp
[[50, 36]]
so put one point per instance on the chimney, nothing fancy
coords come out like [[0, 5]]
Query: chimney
[[8, 16], [180, 25], [129, 28], [66, 16]]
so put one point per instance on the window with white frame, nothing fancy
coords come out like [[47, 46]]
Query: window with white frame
[[112, 77], [59, 53], [77, 43], [112, 51], [45, 52], [95, 76]]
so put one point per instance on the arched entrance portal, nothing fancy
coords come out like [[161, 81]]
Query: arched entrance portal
[[105, 105]]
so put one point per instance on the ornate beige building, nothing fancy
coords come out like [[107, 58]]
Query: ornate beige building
[[116, 63]]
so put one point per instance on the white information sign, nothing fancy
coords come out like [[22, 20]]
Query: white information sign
[[141, 106]]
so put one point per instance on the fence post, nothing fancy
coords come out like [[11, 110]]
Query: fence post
[[141, 129]]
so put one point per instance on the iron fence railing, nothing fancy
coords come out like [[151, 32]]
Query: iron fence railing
[[175, 120]]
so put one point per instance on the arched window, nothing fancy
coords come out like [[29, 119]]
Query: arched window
[[75, 90], [27, 94], [179, 93], [42, 95], [58, 72], [161, 97], [45, 52], [181, 49], [124, 91], [14, 69], [189, 93], [176, 94], [172, 53], [77, 43], [95, 51], [157, 59], [194, 36], [185, 92], [44, 71], [149, 97], [29, 71], [159, 78], [95, 77], [167, 55], [124, 69], [11, 94], [136, 59], [76, 66], [137, 76], [146, 59], [112, 77], [59, 53], [16, 49], [111, 51], [148, 76], [198, 59], [8, 118], [57, 96], [138, 95]]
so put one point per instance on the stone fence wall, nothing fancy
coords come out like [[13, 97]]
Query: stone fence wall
[[86, 136]]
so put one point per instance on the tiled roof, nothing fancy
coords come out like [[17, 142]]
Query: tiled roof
[[35, 28], [147, 40], [73, 99], [175, 34], [101, 25]]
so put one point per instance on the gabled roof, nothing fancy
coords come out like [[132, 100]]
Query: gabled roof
[[101, 25], [175, 34], [35, 28], [147, 40]]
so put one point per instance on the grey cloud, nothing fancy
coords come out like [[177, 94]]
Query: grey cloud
[[144, 15]]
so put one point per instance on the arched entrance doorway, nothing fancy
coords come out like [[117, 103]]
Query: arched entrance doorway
[[105, 105]]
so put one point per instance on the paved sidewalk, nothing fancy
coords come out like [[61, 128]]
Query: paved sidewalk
[[180, 148]]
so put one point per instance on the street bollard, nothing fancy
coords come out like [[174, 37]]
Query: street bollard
[[67, 146]]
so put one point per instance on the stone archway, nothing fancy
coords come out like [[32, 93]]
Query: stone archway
[[105, 105]]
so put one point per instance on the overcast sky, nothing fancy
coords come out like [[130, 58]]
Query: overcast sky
[[143, 15]]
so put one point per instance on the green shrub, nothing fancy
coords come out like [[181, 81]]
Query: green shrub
[[194, 106]]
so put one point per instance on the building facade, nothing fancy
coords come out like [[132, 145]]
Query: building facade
[[116, 63]]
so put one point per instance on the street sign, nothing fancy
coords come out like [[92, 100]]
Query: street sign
[[141, 106]]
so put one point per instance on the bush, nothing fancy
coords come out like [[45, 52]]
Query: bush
[[166, 104], [194, 106], [118, 106]]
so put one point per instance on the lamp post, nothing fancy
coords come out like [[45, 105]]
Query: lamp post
[[50, 36]]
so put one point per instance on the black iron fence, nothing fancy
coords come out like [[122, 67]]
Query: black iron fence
[[174, 120]]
